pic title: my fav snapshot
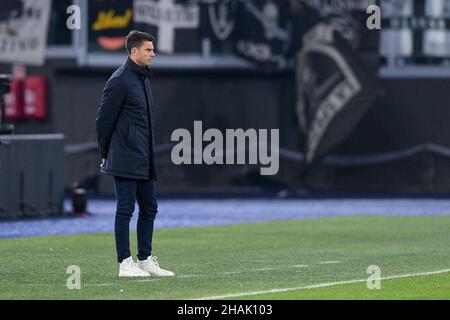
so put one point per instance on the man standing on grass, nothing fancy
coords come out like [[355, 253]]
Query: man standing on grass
[[125, 137]]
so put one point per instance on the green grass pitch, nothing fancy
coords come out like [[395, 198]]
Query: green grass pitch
[[244, 261]]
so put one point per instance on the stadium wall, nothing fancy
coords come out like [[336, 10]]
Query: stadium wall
[[413, 112]]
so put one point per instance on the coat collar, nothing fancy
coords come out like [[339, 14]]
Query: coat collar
[[140, 71]]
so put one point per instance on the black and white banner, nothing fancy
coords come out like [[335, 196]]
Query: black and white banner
[[221, 18], [415, 28], [218, 23], [348, 17], [23, 31], [174, 23], [334, 91], [264, 33]]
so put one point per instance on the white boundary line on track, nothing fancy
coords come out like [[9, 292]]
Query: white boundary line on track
[[320, 285]]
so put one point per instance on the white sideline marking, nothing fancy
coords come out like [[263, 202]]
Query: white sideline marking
[[300, 266], [222, 273], [320, 285], [329, 262], [146, 280], [142, 280]]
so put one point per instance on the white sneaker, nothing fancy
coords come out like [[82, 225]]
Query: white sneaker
[[128, 268], [151, 266]]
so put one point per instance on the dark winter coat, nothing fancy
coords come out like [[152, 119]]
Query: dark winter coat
[[125, 124]]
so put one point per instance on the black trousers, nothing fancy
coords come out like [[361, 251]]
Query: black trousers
[[127, 192]]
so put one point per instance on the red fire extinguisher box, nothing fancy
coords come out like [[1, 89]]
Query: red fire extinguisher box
[[14, 101], [35, 97]]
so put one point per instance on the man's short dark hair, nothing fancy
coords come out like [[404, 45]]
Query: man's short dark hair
[[135, 39]]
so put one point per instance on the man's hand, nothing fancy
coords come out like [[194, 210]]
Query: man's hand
[[103, 163]]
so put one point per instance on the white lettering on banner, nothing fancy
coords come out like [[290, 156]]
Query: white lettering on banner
[[257, 51], [268, 17], [167, 16], [23, 32], [221, 18], [327, 7], [338, 98]]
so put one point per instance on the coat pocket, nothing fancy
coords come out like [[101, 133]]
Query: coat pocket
[[134, 140]]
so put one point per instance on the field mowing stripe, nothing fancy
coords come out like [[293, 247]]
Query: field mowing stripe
[[229, 273], [321, 285]]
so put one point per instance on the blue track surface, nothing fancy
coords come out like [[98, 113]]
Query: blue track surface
[[201, 212]]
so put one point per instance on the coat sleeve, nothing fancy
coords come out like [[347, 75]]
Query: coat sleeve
[[110, 105]]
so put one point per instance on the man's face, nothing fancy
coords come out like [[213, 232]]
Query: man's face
[[144, 55]]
